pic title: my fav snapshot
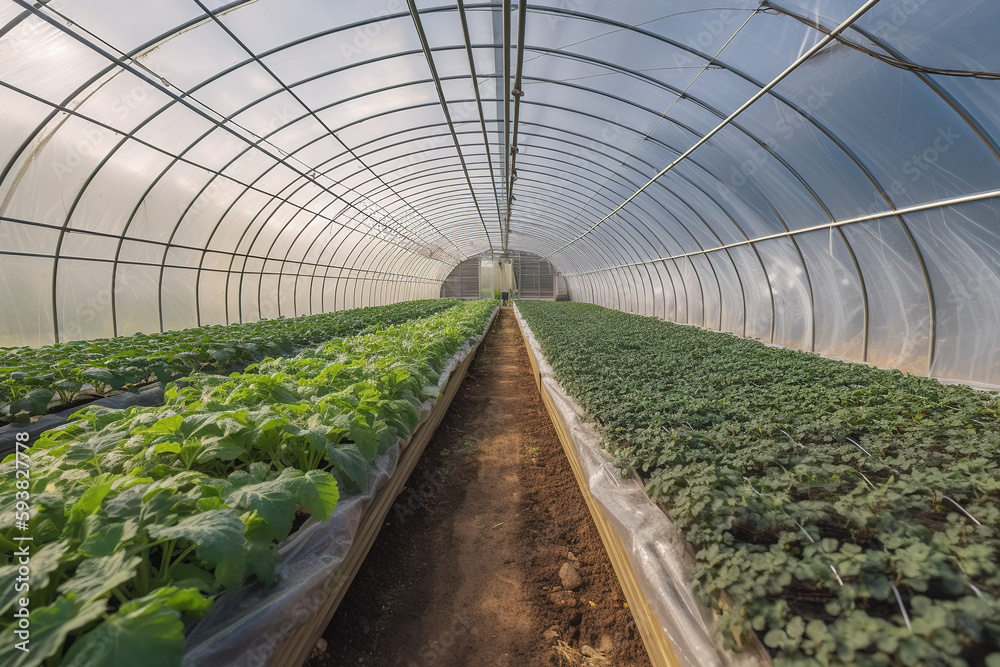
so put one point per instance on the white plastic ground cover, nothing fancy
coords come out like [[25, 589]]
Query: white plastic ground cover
[[249, 627], [655, 548]]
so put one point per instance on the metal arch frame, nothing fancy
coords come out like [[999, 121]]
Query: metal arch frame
[[710, 229], [420, 260], [120, 236], [351, 204], [479, 103], [680, 175], [628, 246], [624, 248], [287, 89], [809, 190], [424, 200], [688, 129], [175, 159], [155, 84], [808, 119], [428, 55], [354, 188], [280, 232], [679, 223], [634, 226], [906, 230], [765, 89], [251, 223], [320, 255], [328, 132], [976, 127], [823, 206], [539, 233]]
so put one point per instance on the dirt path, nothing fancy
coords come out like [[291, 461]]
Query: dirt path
[[466, 570]]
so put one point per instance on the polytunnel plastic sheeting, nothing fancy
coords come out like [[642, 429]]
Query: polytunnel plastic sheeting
[[814, 173]]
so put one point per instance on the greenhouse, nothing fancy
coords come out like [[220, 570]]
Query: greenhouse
[[572, 333]]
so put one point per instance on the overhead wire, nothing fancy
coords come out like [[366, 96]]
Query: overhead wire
[[890, 60]]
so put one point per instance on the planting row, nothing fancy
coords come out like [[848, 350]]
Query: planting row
[[847, 514], [138, 517], [35, 380]]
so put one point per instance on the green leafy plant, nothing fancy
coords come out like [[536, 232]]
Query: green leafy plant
[[141, 515], [35, 380], [846, 514]]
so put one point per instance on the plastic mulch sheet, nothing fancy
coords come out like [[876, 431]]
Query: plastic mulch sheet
[[249, 627], [655, 548]]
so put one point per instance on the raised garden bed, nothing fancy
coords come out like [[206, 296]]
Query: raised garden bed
[[844, 514]]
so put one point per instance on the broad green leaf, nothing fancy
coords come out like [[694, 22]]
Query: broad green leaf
[[317, 491], [167, 425], [188, 575], [36, 402], [365, 439], [282, 394], [218, 535], [261, 551], [197, 426], [91, 499], [351, 462], [104, 536], [273, 501], [95, 577], [50, 626], [144, 632], [227, 448], [101, 374]]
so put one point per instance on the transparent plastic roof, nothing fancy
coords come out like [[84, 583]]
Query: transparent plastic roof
[[821, 174]]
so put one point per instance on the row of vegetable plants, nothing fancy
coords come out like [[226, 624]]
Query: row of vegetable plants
[[34, 381], [138, 518], [847, 514]]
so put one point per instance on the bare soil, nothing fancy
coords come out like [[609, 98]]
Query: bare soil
[[466, 569]]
